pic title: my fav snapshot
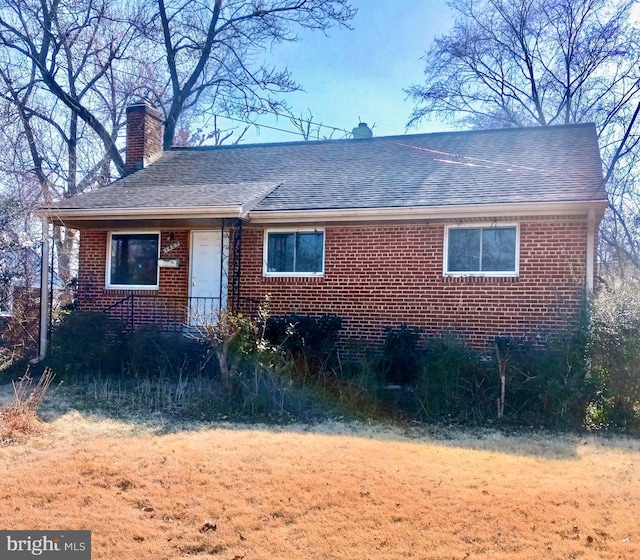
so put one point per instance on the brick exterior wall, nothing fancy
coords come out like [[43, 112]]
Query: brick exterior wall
[[384, 275], [93, 296]]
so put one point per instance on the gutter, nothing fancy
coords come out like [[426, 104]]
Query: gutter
[[60, 214], [467, 211]]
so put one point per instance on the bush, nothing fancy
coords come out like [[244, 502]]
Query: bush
[[305, 337], [152, 352], [85, 342], [547, 382], [615, 355], [402, 353], [454, 382]]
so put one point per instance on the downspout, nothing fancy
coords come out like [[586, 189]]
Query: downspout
[[591, 250], [44, 295]]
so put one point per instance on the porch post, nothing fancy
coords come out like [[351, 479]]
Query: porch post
[[44, 294], [235, 264], [221, 264]]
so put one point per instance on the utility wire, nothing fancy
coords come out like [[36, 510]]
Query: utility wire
[[228, 98]]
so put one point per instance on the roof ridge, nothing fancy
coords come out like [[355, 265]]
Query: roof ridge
[[375, 139]]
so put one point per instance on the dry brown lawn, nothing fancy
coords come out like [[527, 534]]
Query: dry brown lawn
[[325, 492]]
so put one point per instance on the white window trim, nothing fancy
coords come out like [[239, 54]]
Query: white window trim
[[108, 284], [265, 250], [488, 274]]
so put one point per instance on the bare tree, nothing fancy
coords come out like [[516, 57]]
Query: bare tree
[[54, 74], [544, 62], [210, 133], [69, 68], [209, 50], [66, 49]]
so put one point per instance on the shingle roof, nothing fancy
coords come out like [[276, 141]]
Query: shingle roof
[[542, 164]]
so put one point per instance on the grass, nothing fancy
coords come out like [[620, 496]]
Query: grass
[[328, 491], [19, 419]]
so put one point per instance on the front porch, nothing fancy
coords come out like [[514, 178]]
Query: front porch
[[174, 313], [176, 278]]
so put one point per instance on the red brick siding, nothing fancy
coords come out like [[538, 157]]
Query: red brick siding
[[385, 275], [92, 294]]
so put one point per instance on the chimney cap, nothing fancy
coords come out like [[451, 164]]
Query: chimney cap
[[143, 104]]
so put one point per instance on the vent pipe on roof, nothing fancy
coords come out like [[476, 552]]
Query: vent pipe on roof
[[144, 135], [362, 131]]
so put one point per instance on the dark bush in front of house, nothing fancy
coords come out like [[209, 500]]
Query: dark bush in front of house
[[305, 336], [86, 342], [402, 354], [152, 352], [441, 378], [454, 382], [547, 384]]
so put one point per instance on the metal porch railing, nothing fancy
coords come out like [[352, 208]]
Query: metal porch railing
[[169, 313], [172, 313]]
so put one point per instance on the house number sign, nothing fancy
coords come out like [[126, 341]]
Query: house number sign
[[171, 247]]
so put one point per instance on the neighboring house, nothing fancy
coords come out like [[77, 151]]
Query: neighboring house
[[481, 233], [20, 302]]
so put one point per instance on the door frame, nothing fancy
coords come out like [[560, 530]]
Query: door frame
[[223, 265]]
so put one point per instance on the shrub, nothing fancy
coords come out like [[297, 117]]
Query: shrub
[[454, 382], [85, 342], [615, 355], [547, 381], [402, 353], [152, 352], [305, 337]]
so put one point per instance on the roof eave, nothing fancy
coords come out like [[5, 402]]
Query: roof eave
[[452, 212], [71, 215]]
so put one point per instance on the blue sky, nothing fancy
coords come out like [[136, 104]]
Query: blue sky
[[360, 73]]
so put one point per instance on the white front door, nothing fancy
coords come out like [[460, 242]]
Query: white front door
[[208, 276]]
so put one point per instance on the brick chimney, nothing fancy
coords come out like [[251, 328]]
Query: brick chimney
[[144, 135]]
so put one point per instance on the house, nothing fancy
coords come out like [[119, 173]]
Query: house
[[20, 301], [482, 233]]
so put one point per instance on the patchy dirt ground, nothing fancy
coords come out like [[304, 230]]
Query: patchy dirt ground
[[331, 491]]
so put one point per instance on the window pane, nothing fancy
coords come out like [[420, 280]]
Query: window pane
[[464, 250], [499, 249], [280, 252], [5, 299], [295, 252], [309, 252], [134, 259]]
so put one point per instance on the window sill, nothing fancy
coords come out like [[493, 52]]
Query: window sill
[[126, 288], [292, 279], [479, 279]]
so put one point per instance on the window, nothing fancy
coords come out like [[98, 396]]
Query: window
[[481, 251], [6, 299], [294, 253], [133, 260]]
